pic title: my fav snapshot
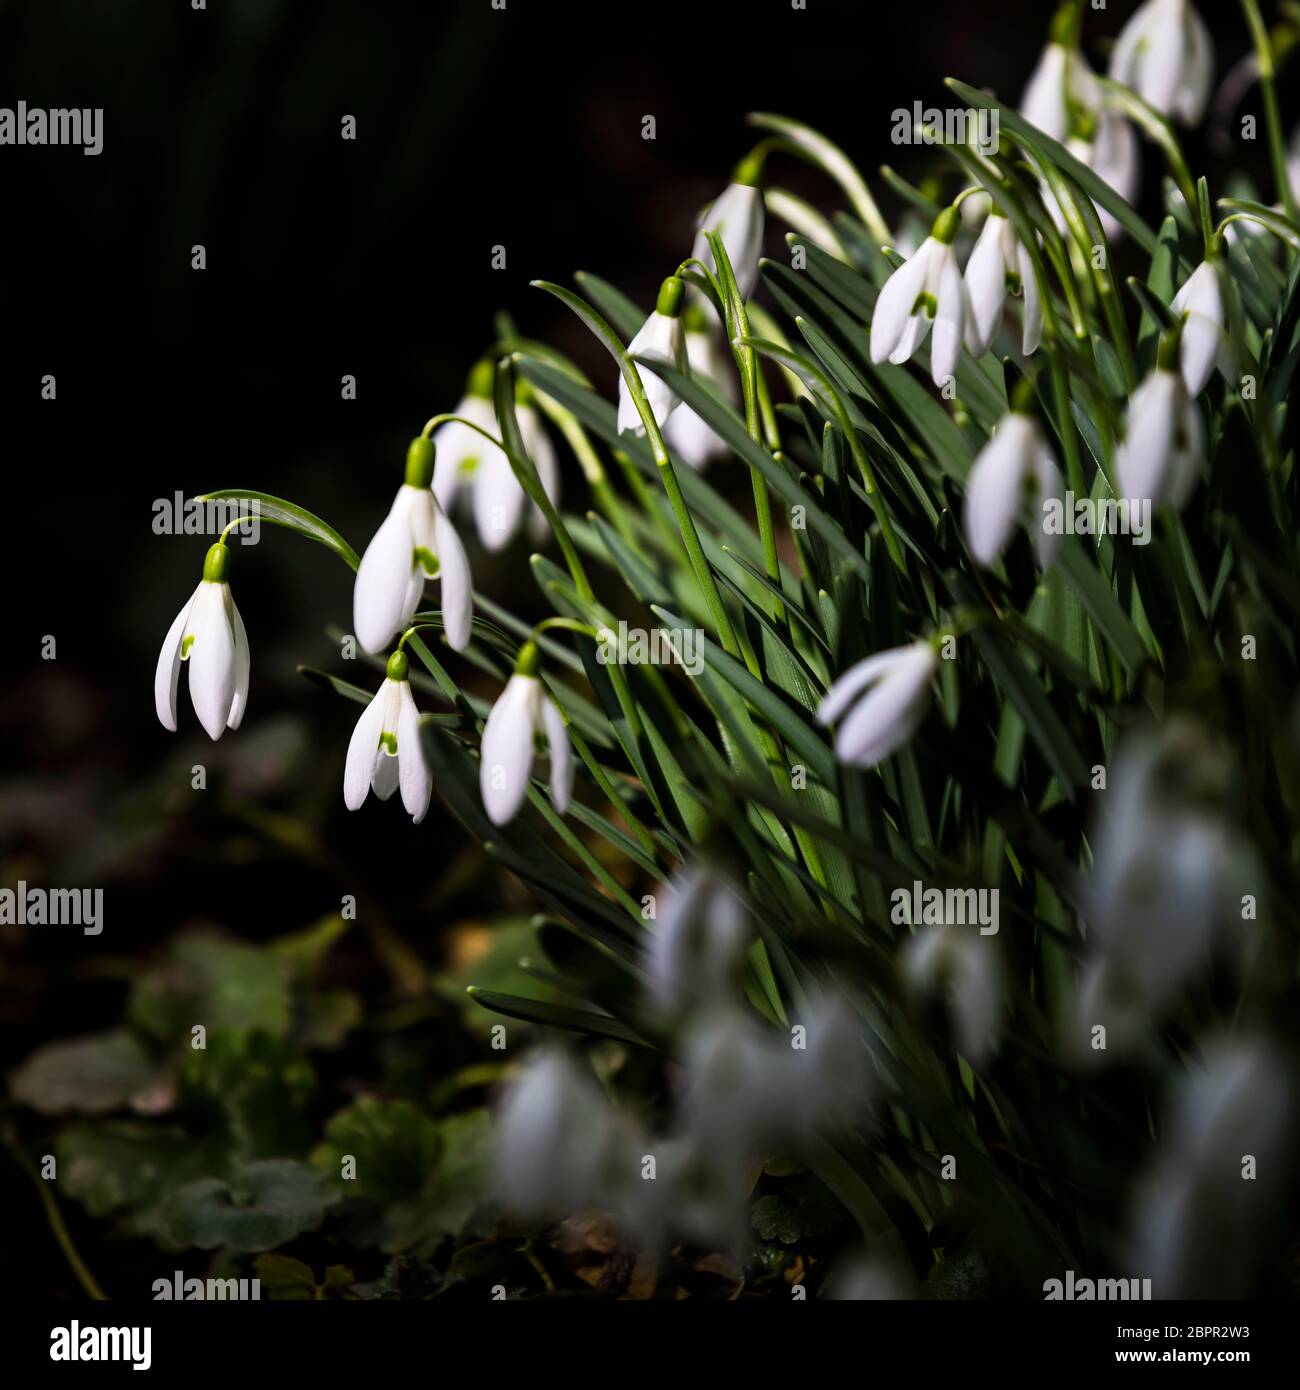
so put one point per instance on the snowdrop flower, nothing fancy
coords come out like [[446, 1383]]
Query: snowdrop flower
[[416, 540], [1200, 1229], [926, 290], [1199, 305], [208, 633], [1000, 265], [886, 697], [963, 966], [385, 752], [1013, 468], [686, 434], [522, 711], [555, 1139], [1064, 100], [1165, 55], [700, 936], [470, 467], [1164, 441], [737, 215], [660, 337]]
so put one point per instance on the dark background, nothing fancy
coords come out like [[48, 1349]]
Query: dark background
[[371, 257]]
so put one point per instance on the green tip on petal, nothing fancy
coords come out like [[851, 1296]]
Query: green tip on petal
[[750, 169], [946, 226], [420, 455], [529, 660], [671, 295], [217, 564], [481, 379], [399, 668]]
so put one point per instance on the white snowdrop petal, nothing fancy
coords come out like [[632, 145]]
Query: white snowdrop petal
[[242, 663], [413, 772], [363, 753], [1142, 460], [852, 682], [455, 586], [381, 592], [498, 501], [387, 771], [995, 488], [949, 320], [986, 284], [893, 311], [167, 673], [561, 754], [507, 749], [212, 658], [887, 716]]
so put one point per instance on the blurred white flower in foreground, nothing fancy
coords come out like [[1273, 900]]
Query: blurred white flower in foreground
[[1000, 265], [926, 291], [882, 701], [661, 337], [558, 1143], [1014, 473], [1164, 53], [1204, 343], [523, 710], [208, 633], [415, 541], [385, 750], [700, 933], [471, 466], [1202, 1218], [1169, 871], [962, 967], [1163, 449], [737, 215]]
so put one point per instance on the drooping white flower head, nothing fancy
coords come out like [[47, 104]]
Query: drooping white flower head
[[737, 215], [1163, 449], [965, 967], [885, 698], [475, 470], [926, 291], [701, 929], [415, 542], [1064, 100], [662, 338], [385, 750], [556, 1139], [1204, 344], [208, 633], [686, 434], [1013, 475], [522, 711], [1164, 53], [1000, 265]]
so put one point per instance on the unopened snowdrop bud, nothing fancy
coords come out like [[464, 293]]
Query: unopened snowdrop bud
[[660, 337], [1164, 53], [927, 290], [1164, 441], [737, 216], [385, 750], [700, 934], [208, 633], [522, 712], [962, 966], [554, 1138], [885, 698], [1012, 477], [415, 541], [1199, 305], [1000, 265]]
